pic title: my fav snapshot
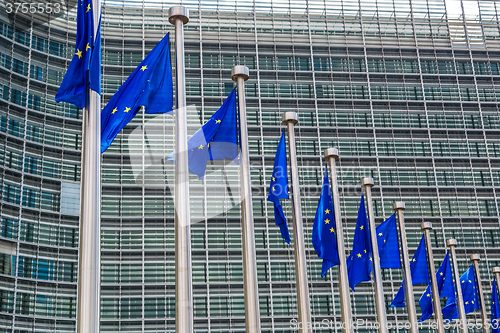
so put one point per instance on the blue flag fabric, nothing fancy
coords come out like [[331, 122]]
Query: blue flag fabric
[[150, 85], [419, 273], [388, 246], [495, 309], [216, 140], [75, 83], [359, 262], [446, 288], [469, 290], [278, 188], [324, 238]]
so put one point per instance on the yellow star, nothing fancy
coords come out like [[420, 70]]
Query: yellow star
[[470, 281], [78, 53], [274, 189], [463, 281], [327, 221], [274, 179], [114, 110], [385, 240], [88, 8], [441, 273], [359, 255], [361, 227], [87, 47], [380, 234], [428, 295], [127, 110], [201, 147], [472, 302], [371, 259], [466, 303], [364, 251], [327, 211], [414, 259], [332, 230], [143, 68], [217, 121]]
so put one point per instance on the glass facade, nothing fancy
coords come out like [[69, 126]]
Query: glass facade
[[406, 90]]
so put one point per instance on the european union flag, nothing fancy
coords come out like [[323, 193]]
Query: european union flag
[[469, 290], [323, 236], [216, 140], [87, 57], [495, 309], [388, 246], [445, 287], [419, 273], [359, 263], [149, 85], [278, 188]]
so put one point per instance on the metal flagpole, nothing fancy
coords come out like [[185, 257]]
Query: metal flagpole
[[427, 227], [178, 16], [475, 261], [251, 287], [331, 154], [89, 261], [368, 183], [304, 310], [452, 243], [399, 207]]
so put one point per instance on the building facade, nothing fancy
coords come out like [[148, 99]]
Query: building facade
[[407, 90]]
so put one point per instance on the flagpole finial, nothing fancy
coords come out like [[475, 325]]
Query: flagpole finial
[[178, 12], [290, 117], [496, 270], [331, 153], [426, 226], [451, 242], [398, 205], [475, 257], [367, 181], [240, 70]]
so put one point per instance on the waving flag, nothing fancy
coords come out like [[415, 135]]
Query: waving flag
[[324, 238], [495, 309], [85, 61], [388, 246]]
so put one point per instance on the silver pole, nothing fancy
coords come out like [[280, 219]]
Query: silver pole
[[89, 261], [368, 183], [496, 272], [178, 16], [427, 227], [331, 154], [452, 243], [479, 284], [251, 288], [399, 207], [304, 310]]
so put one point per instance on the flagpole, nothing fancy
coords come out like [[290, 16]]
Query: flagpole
[[452, 243], [304, 310], [399, 207], [331, 154], [368, 183], [251, 288], [89, 261], [496, 272], [484, 316], [427, 227], [178, 16]]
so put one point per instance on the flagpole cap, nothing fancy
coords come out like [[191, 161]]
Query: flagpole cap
[[290, 117], [178, 12], [451, 242], [426, 226], [367, 181], [240, 70], [331, 152], [496, 270], [475, 257], [398, 205]]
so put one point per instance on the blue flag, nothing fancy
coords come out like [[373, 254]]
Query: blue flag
[[469, 290], [388, 246], [446, 288], [87, 57], [324, 238], [419, 273], [278, 188], [149, 85], [216, 140], [359, 262], [495, 309]]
